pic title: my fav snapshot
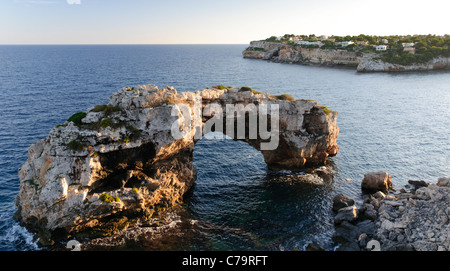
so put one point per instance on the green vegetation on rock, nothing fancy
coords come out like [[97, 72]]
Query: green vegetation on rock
[[221, 87], [327, 111], [76, 146], [77, 117], [134, 133], [109, 199], [244, 89], [106, 123], [255, 49], [426, 49], [106, 109], [401, 49], [272, 39], [283, 97]]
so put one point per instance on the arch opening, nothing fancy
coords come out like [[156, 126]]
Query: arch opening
[[239, 203]]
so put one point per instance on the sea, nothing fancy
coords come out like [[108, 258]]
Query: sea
[[393, 122]]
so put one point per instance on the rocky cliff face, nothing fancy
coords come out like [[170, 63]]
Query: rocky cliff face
[[122, 161], [281, 52], [367, 62], [370, 64]]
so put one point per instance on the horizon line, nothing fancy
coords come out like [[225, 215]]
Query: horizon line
[[73, 44]]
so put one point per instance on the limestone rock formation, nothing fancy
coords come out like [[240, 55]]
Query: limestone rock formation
[[416, 220], [284, 53], [117, 163], [364, 62], [369, 63]]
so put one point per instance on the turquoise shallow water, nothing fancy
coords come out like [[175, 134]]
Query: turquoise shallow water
[[393, 122]]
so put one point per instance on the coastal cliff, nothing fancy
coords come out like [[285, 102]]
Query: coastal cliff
[[363, 62], [285, 53], [369, 63], [106, 169]]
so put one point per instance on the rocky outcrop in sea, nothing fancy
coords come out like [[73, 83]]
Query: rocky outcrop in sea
[[109, 168]]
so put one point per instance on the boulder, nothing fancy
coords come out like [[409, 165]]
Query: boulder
[[444, 182], [346, 233], [418, 184], [379, 195], [370, 213], [348, 214], [376, 181], [341, 201]]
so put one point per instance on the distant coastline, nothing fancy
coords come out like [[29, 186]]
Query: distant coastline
[[365, 53]]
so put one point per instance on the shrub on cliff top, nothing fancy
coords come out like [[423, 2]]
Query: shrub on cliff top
[[272, 39], [244, 89], [327, 111], [106, 109], [99, 108], [283, 97], [133, 89], [77, 117], [221, 87], [255, 49]]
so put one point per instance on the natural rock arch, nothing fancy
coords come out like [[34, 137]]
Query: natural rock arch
[[123, 160]]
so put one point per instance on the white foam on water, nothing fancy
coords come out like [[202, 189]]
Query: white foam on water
[[19, 238]]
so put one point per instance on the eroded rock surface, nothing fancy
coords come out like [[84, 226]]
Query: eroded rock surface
[[284, 53], [418, 220], [120, 162], [370, 63]]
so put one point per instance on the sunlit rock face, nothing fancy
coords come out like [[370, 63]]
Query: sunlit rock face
[[133, 158], [364, 62], [369, 63], [284, 53]]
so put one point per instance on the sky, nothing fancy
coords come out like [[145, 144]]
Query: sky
[[211, 21]]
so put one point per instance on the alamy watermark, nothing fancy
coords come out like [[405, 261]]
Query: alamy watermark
[[237, 121], [74, 245], [373, 245], [74, 2]]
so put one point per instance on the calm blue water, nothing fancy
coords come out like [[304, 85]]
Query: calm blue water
[[399, 123]]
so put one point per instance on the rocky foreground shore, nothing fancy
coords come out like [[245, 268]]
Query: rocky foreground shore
[[414, 220]]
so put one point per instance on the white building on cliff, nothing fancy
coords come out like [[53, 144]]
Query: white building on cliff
[[309, 43], [381, 48], [344, 43]]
